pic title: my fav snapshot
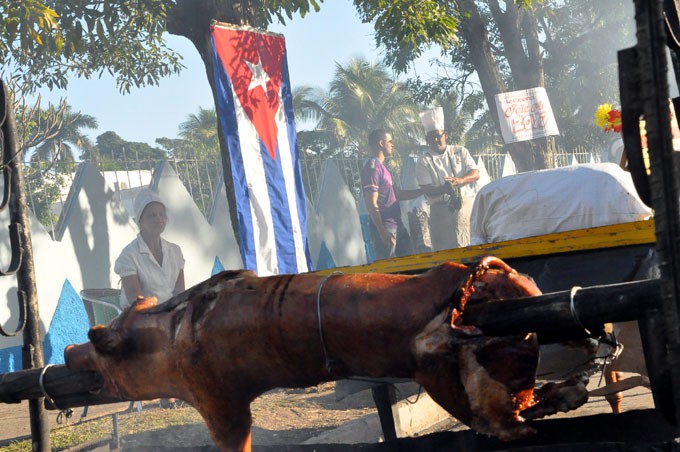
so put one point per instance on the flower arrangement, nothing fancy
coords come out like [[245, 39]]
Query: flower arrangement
[[608, 118]]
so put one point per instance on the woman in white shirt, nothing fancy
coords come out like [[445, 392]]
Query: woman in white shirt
[[150, 265]]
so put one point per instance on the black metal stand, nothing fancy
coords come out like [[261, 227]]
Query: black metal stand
[[644, 90], [385, 398]]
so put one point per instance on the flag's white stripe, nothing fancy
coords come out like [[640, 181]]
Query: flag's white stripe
[[285, 154], [260, 207]]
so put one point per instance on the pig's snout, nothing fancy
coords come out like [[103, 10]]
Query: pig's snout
[[79, 357]]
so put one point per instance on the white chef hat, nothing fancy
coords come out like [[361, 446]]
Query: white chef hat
[[432, 119], [143, 199]]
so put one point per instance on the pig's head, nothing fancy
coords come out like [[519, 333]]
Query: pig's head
[[483, 381], [134, 354]]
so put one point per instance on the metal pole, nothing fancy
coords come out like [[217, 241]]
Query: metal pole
[[33, 349], [664, 186]]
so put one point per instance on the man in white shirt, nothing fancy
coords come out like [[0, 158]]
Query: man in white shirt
[[452, 169]]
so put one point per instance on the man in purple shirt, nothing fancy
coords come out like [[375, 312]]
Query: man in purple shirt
[[388, 234]]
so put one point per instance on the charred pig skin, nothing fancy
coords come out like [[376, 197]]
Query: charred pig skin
[[226, 341]]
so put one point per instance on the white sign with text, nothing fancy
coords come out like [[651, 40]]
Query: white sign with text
[[525, 115]]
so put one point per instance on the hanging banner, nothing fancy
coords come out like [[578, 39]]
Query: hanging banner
[[525, 115], [255, 110]]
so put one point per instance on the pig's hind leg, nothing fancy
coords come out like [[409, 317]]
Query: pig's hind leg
[[228, 420]]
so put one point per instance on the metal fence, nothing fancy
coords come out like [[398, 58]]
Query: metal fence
[[48, 183], [350, 167]]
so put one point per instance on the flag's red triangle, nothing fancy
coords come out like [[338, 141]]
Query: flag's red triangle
[[253, 63]]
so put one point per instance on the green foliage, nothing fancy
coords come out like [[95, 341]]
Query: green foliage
[[44, 185], [407, 27], [410, 25], [28, 22], [581, 63], [50, 137], [109, 146], [199, 133], [578, 41], [42, 43], [112, 150], [282, 10]]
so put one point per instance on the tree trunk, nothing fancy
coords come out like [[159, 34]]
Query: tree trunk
[[192, 19], [527, 71], [509, 30], [533, 154], [535, 74], [473, 30]]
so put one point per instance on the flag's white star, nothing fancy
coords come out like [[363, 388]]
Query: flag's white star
[[260, 77]]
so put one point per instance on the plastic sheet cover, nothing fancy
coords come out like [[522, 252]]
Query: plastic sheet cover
[[555, 200]]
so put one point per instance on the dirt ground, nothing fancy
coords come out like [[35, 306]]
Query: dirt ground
[[281, 417]]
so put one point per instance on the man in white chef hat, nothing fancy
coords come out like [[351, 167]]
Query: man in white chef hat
[[451, 168]]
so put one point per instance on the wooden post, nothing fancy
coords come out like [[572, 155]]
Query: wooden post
[[28, 293], [66, 387]]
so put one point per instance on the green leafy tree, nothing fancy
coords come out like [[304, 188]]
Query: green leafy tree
[[44, 188], [308, 110], [42, 43], [115, 153], [53, 132], [362, 97], [581, 68], [567, 46]]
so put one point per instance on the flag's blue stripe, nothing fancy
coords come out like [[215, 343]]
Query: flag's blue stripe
[[227, 118], [280, 212], [295, 157]]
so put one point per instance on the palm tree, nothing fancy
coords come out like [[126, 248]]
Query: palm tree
[[59, 146], [362, 97], [200, 134], [308, 112], [53, 133]]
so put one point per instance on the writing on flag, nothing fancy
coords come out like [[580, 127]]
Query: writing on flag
[[255, 110]]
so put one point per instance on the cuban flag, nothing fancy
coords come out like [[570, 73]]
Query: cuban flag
[[255, 110]]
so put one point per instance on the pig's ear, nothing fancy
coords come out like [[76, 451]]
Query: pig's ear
[[105, 340]]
